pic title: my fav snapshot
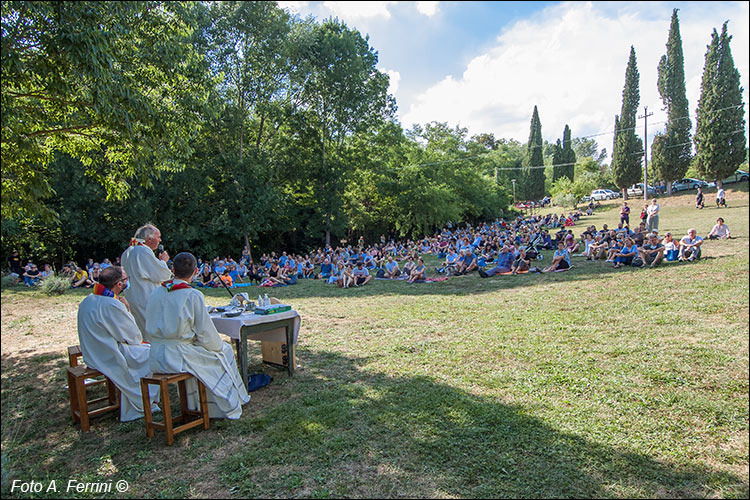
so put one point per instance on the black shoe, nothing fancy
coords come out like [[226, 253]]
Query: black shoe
[[483, 274]]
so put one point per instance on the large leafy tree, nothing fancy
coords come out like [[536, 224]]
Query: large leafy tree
[[720, 131], [628, 148], [114, 84], [344, 93], [672, 156], [533, 169]]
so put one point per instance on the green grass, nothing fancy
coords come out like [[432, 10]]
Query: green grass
[[588, 383]]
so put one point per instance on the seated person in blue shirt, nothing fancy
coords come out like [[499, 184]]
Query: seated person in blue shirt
[[502, 264], [469, 264], [326, 269], [391, 268], [419, 273], [626, 255], [220, 268], [450, 263], [560, 260], [307, 269], [234, 274]]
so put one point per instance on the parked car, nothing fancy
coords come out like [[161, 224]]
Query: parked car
[[613, 194], [637, 190], [688, 183], [738, 176], [600, 194]]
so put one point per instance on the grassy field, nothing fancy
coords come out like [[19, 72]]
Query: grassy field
[[590, 383]]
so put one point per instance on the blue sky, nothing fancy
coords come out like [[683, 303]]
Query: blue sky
[[484, 65]]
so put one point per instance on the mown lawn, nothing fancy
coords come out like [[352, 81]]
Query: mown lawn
[[588, 383]]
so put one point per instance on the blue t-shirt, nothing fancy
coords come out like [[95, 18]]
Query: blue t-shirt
[[564, 253], [452, 258], [390, 266], [326, 268], [505, 259]]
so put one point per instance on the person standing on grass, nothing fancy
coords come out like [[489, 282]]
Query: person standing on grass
[[145, 270], [625, 214], [111, 341], [652, 216]]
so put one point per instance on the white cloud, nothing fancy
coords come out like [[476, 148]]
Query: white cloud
[[394, 78], [352, 11], [428, 9], [293, 7], [570, 61]]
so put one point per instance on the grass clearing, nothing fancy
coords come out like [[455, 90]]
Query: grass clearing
[[588, 383]]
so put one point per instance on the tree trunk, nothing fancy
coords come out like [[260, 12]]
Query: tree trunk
[[247, 244]]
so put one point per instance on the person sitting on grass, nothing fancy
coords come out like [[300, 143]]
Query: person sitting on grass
[[570, 243], [503, 263], [451, 260], [690, 246], [522, 263], [560, 260], [81, 279], [615, 245], [671, 250], [326, 269], [652, 252], [361, 274], [469, 264], [626, 255], [419, 273], [347, 277], [392, 270], [720, 231], [32, 277]]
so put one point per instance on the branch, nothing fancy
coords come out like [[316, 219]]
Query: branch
[[57, 130]]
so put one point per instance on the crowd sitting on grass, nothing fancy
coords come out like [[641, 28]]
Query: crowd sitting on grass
[[498, 248]]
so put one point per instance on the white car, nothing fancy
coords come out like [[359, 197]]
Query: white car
[[613, 194], [600, 194]]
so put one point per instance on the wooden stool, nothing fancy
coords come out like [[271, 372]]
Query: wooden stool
[[79, 405], [74, 353], [163, 380]]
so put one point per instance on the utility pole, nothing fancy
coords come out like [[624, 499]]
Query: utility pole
[[645, 150], [514, 190]]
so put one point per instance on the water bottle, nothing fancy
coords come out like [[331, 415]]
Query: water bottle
[[266, 300], [260, 301]]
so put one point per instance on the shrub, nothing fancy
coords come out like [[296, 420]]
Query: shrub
[[8, 281], [55, 285]]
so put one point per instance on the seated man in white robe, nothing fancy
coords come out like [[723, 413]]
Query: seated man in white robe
[[184, 339], [111, 341]]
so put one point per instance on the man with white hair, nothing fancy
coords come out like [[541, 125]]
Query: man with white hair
[[145, 270], [690, 246]]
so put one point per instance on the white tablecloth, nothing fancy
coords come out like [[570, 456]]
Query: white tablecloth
[[231, 326]]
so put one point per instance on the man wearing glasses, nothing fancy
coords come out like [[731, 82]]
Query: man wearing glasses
[[111, 341], [145, 270]]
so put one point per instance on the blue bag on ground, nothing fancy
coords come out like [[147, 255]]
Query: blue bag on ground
[[258, 380]]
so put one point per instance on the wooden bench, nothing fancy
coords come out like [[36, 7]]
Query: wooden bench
[[79, 404], [163, 380]]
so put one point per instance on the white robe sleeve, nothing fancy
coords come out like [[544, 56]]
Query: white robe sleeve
[[206, 334], [150, 268]]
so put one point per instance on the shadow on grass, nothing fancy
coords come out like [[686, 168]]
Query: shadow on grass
[[364, 434], [335, 429]]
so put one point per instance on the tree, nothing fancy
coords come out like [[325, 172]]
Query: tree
[[344, 93], [115, 85], [533, 169], [673, 152], [564, 158], [720, 131], [587, 147], [628, 148]]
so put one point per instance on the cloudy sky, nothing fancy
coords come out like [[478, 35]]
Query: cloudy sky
[[484, 65]]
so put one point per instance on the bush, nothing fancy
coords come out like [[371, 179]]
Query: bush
[[55, 285], [8, 281]]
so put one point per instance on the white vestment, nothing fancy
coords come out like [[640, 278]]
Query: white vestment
[[184, 339], [145, 273], [111, 343]]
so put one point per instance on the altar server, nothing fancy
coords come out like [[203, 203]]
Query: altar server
[[184, 339], [145, 270], [111, 341]]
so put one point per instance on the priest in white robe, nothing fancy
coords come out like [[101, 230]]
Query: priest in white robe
[[112, 343], [146, 272], [184, 339]]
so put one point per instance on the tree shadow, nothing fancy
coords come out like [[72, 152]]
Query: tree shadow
[[414, 436]]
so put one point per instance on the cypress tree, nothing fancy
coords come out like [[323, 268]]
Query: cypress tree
[[626, 157], [568, 154], [557, 160], [673, 155], [532, 173], [720, 131]]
